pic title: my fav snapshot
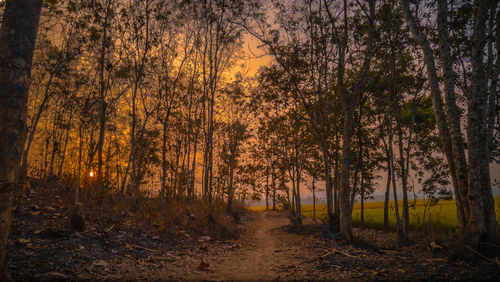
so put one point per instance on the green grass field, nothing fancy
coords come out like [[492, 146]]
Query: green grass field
[[440, 218]]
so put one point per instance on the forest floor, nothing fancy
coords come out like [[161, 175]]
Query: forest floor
[[268, 248]]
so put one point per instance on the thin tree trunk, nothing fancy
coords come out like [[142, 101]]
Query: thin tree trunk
[[267, 189], [482, 225], [387, 194], [17, 42], [41, 109], [314, 199], [457, 173]]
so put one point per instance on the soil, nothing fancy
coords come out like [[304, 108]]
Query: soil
[[269, 248]]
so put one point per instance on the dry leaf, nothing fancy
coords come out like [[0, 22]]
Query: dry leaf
[[24, 241], [35, 212], [203, 265], [56, 276], [205, 238], [100, 263], [38, 232]]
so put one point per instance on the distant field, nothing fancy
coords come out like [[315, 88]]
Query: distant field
[[439, 218]]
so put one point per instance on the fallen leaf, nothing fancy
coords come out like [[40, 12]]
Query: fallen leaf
[[109, 229], [34, 212], [24, 241], [100, 263], [203, 247], [372, 271], [38, 232], [56, 276], [205, 238], [203, 265]]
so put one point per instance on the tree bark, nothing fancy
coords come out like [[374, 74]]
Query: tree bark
[[452, 114], [437, 105], [471, 182], [17, 42], [482, 222], [387, 195], [348, 102]]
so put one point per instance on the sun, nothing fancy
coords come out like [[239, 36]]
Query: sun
[[91, 174]]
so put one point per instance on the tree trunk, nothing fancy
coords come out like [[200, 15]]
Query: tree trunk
[[17, 42], [387, 194], [328, 187], [314, 199], [482, 222], [456, 172], [348, 101], [273, 183], [267, 190], [475, 203], [452, 115], [31, 135], [164, 161], [404, 178]]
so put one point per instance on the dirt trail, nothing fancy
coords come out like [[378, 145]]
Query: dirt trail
[[264, 252], [257, 257]]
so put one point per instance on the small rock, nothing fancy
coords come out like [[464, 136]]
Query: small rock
[[205, 238]]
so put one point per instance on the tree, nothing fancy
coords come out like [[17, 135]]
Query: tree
[[349, 99], [470, 176], [17, 42]]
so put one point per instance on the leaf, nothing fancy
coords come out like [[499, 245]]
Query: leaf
[[109, 229], [203, 265], [203, 247], [205, 238], [56, 276], [24, 241], [100, 263], [38, 232], [34, 212], [374, 272]]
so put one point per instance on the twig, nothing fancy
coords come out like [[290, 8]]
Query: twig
[[143, 248], [339, 252], [109, 229], [482, 256]]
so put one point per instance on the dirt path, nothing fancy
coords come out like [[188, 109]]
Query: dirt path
[[266, 251], [257, 258]]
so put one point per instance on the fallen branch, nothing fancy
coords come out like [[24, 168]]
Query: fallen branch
[[143, 248], [338, 252], [482, 256], [109, 229]]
